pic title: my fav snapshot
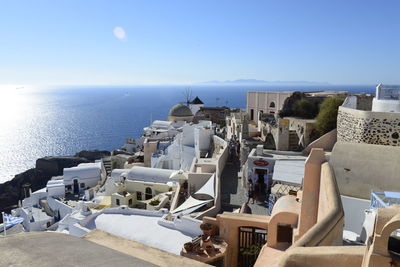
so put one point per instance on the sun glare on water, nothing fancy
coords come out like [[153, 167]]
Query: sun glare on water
[[12, 101]]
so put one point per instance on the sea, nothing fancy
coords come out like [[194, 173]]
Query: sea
[[60, 121]]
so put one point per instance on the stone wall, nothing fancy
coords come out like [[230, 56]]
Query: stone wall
[[358, 126]]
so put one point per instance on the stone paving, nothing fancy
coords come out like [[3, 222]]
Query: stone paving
[[233, 195]]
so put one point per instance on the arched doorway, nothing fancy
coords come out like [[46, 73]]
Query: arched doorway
[[76, 186]]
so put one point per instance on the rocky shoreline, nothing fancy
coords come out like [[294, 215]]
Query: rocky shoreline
[[12, 191]]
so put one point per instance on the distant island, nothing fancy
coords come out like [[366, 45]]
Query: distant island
[[260, 82]]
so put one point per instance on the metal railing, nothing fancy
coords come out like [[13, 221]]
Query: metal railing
[[380, 200]]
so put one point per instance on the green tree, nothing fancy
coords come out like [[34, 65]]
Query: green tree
[[327, 116], [305, 109]]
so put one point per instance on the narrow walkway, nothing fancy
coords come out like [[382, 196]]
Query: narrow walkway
[[233, 195]]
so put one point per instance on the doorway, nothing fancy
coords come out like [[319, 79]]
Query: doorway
[[76, 186]]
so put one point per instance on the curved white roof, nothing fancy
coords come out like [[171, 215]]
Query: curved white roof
[[153, 175], [82, 171]]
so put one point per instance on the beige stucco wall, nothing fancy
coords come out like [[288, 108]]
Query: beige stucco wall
[[326, 142], [149, 147], [360, 168], [221, 159], [135, 186], [261, 101], [324, 256], [329, 227], [229, 224]]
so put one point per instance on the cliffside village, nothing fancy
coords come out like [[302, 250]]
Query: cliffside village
[[211, 185]]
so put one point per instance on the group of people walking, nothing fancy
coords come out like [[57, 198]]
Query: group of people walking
[[258, 187], [234, 147]]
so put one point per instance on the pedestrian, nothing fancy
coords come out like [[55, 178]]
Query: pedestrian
[[256, 191], [232, 150], [250, 190], [237, 148]]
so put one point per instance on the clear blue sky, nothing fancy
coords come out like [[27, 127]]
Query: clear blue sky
[[183, 42]]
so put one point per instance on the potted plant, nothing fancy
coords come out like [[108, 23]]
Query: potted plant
[[206, 228], [188, 246], [209, 249], [200, 251], [155, 202]]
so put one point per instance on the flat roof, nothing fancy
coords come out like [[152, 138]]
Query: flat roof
[[278, 154], [56, 249], [139, 250], [290, 171], [143, 229]]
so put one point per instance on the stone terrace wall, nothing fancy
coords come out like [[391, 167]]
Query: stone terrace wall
[[358, 126]]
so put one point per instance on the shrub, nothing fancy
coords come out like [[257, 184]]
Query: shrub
[[305, 109], [327, 116], [154, 202]]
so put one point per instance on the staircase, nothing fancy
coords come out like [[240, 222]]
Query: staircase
[[107, 165], [293, 141]]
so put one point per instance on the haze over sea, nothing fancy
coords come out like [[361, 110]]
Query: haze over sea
[[64, 120]]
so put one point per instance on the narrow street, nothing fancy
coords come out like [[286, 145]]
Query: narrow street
[[233, 195]]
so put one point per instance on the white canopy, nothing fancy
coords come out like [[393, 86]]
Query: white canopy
[[191, 203], [289, 171], [208, 187]]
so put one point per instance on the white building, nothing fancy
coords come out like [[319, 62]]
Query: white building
[[387, 99], [55, 188], [162, 129], [262, 163], [193, 141], [82, 177]]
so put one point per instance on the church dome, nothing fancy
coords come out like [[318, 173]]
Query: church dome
[[180, 110]]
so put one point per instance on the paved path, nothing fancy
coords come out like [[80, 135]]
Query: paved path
[[233, 195]]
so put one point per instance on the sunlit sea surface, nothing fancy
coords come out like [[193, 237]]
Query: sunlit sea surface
[[62, 121]]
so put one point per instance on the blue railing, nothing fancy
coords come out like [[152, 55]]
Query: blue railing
[[384, 199]]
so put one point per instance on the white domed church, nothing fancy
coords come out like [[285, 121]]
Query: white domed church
[[180, 112]]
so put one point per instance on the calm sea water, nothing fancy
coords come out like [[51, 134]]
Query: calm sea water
[[62, 121]]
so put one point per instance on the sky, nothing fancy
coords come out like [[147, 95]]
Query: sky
[[184, 42]]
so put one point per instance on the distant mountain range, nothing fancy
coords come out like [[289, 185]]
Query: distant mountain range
[[260, 82]]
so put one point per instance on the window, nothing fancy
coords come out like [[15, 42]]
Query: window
[[251, 114], [149, 193], [285, 234], [394, 243], [68, 187], [139, 195], [272, 105], [117, 201], [82, 185], [130, 202]]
